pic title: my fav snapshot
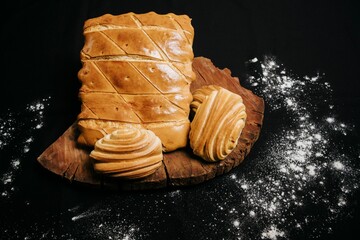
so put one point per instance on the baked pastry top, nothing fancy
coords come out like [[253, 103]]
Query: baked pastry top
[[137, 69]]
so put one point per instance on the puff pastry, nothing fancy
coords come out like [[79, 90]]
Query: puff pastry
[[128, 153], [220, 116], [137, 69]]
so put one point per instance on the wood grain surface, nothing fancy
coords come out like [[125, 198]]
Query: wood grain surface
[[71, 161]]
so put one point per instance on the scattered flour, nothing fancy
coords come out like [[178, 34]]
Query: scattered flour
[[272, 233], [16, 132], [302, 166], [101, 223]]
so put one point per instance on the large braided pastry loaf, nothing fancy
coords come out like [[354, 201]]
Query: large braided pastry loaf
[[137, 69]]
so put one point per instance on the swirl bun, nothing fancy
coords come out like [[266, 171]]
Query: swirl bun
[[218, 122], [128, 152]]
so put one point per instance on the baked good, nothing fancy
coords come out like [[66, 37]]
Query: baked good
[[128, 153], [218, 122], [137, 69]]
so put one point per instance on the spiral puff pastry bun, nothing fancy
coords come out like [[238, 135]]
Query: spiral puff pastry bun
[[218, 122], [128, 152]]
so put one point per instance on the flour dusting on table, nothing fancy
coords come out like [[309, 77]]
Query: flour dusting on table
[[16, 135], [303, 172]]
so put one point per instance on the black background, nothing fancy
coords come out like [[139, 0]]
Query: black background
[[41, 42]]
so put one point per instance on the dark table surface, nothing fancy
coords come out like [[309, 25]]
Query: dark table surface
[[300, 180]]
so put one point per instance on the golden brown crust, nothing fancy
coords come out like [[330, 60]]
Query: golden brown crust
[[137, 68], [150, 35], [93, 129]]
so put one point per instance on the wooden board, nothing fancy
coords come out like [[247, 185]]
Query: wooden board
[[66, 158]]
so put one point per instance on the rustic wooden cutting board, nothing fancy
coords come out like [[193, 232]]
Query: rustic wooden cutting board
[[66, 158]]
